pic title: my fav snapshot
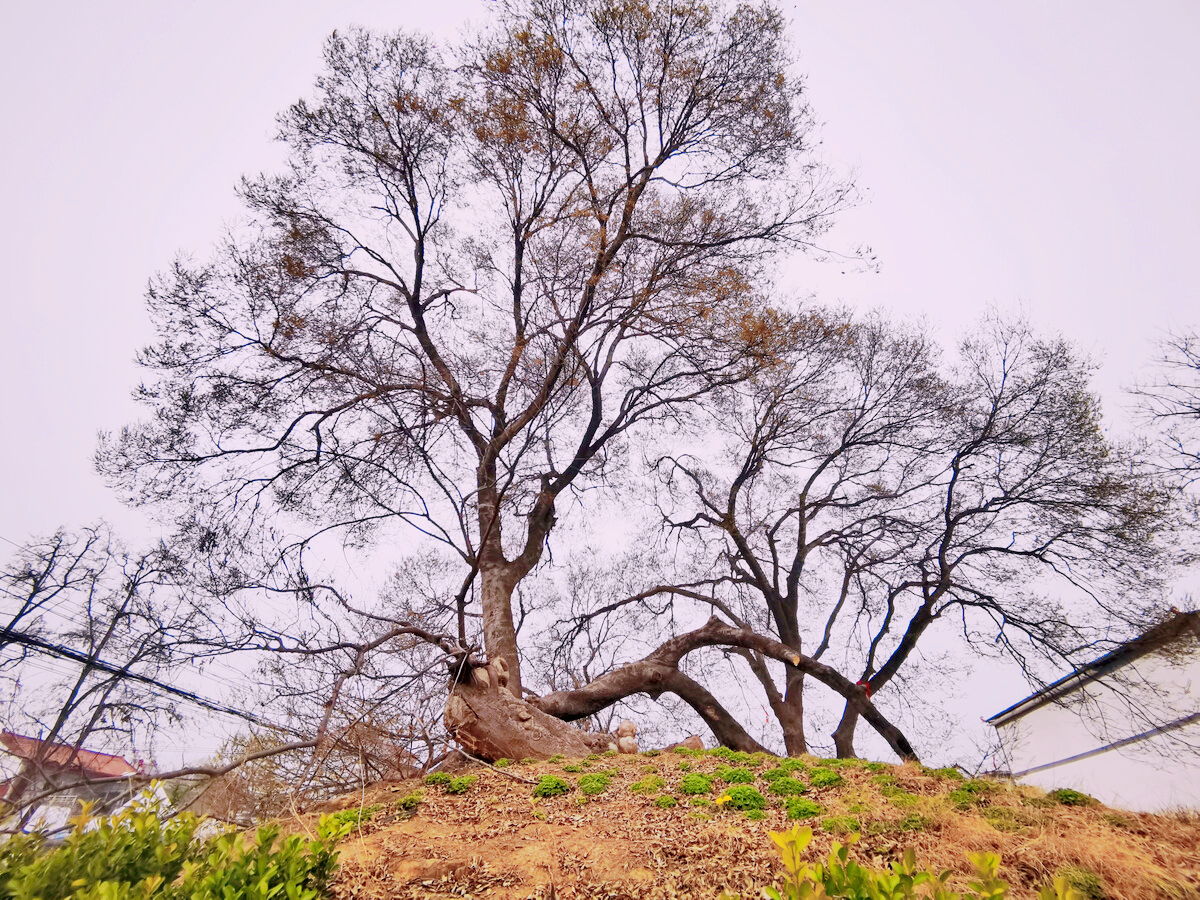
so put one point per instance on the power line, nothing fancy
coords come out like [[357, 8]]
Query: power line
[[59, 650]]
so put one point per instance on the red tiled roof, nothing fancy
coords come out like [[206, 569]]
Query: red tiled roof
[[90, 762]]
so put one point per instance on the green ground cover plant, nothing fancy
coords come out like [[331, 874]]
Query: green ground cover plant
[[788, 787], [824, 778], [694, 783], [734, 775], [802, 808], [1069, 797], [742, 797], [551, 786], [461, 784], [594, 783]]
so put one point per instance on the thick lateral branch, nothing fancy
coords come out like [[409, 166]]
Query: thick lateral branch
[[657, 673]]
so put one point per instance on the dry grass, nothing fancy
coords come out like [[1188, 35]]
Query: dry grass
[[496, 840]]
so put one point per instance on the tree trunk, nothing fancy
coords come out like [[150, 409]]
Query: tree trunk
[[499, 633], [790, 713], [843, 735], [490, 723]]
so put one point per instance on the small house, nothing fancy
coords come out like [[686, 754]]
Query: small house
[[108, 783], [1125, 728]]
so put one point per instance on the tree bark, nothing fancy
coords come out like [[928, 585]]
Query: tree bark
[[790, 713], [843, 735], [499, 632], [490, 723], [652, 673]]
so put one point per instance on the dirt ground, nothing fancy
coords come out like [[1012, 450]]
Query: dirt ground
[[497, 840]]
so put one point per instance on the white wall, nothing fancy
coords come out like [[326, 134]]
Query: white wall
[[1158, 773]]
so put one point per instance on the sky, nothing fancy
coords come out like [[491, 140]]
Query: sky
[[1025, 155]]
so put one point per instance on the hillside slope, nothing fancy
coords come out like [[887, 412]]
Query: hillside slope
[[667, 825]]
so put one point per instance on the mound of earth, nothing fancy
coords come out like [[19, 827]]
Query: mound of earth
[[644, 826]]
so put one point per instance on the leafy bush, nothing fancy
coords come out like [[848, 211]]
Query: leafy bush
[[355, 816], [897, 796], [135, 855], [666, 801], [1069, 797], [842, 876], [502, 763], [788, 787], [735, 775], [802, 808], [551, 786], [755, 814], [594, 783], [823, 778], [650, 785], [461, 784], [529, 761], [575, 768], [433, 779], [695, 783], [651, 752], [743, 797], [556, 758]]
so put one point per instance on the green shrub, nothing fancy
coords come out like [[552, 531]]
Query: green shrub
[[695, 783], [556, 758], [461, 784], [788, 787], [574, 767], [1069, 797], [755, 814], [743, 797], [609, 753], [842, 876], [434, 779], [135, 855], [651, 752], [551, 786], [529, 761], [666, 801], [648, 769], [735, 775], [802, 808], [502, 763], [355, 816], [824, 778], [594, 783], [650, 785]]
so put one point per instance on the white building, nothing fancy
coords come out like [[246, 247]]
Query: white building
[[1124, 728]]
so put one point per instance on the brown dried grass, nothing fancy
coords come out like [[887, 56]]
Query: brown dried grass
[[496, 841]]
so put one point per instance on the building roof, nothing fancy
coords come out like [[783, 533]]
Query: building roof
[[90, 762], [1180, 625]]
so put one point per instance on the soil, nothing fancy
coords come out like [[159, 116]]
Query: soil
[[497, 840]]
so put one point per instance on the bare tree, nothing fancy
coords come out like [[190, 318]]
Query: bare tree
[[486, 270], [868, 494], [84, 644], [1169, 401]]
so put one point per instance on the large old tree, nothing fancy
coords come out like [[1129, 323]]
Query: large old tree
[[486, 270]]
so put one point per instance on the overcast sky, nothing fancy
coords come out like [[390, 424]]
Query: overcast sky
[[1034, 153]]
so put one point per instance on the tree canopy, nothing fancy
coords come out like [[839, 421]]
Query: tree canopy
[[538, 262]]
